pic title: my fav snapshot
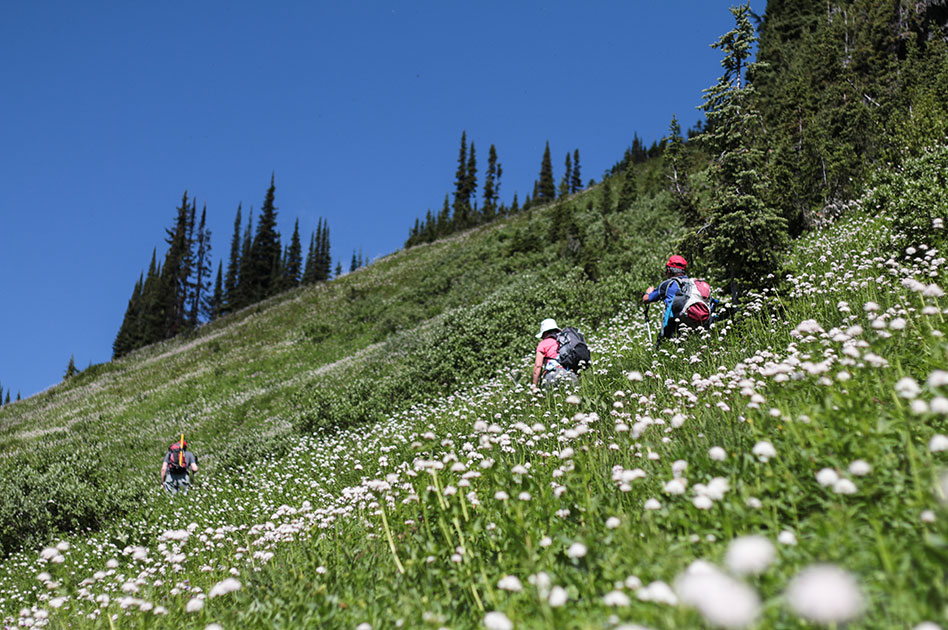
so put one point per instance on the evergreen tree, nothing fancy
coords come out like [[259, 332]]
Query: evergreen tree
[[202, 271], [628, 193], [233, 268], [18, 395], [173, 286], [490, 187], [605, 195], [8, 398], [461, 194], [514, 205], [128, 336], [470, 186], [263, 266], [355, 263], [546, 187], [293, 269], [683, 203], [309, 269], [444, 219], [338, 268], [567, 177], [70, 372], [151, 315], [745, 236], [323, 255], [576, 184], [215, 303]]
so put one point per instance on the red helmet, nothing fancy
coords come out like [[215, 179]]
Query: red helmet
[[678, 262]]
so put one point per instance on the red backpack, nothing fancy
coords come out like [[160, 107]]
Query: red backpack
[[692, 304], [177, 461]]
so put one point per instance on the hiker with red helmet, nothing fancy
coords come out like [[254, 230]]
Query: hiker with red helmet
[[675, 273], [177, 467]]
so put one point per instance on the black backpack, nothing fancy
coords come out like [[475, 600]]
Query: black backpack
[[573, 353]]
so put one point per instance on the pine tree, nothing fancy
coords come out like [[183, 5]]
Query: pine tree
[[355, 263], [514, 205], [567, 177], [18, 395], [576, 184], [628, 193], [490, 188], [233, 268], [461, 194], [309, 270], [127, 338], [263, 267], [470, 186], [323, 254], [338, 268], [444, 219], [151, 315], [173, 287], [215, 303], [70, 372], [546, 187], [202, 271], [745, 236], [8, 398], [605, 195], [293, 269], [683, 203]]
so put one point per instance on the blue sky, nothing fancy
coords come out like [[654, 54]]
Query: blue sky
[[109, 111]]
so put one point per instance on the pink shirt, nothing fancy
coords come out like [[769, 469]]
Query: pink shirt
[[549, 348]]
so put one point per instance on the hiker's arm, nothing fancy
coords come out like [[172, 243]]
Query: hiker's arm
[[194, 466], [537, 368], [651, 295], [164, 471]]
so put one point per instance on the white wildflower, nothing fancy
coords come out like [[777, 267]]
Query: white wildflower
[[750, 555], [825, 594], [558, 596], [859, 468], [510, 583], [826, 477], [786, 537], [721, 599], [718, 454], [764, 451], [616, 598], [497, 620], [938, 443], [907, 387], [576, 550], [844, 486]]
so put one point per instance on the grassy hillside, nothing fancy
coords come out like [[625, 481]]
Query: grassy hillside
[[343, 353], [787, 466]]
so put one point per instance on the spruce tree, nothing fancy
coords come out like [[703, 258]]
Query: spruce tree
[[293, 269], [567, 177], [323, 255], [127, 338], [461, 195], [18, 395], [605, 195], [683, 203], [745, 236], [514, 205], [309, 270], [151, 315], [242, 293], [233, 267], [70, 372], [338, 268], [546, 187], [8, 398], [215, 303], [263, 267], [173, 286], [470, 186], [576, 184], [355, 263], [444, 219], [201, 284], [490, 188], [628, 193]]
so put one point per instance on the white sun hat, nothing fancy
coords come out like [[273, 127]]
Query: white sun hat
[[547, 325]]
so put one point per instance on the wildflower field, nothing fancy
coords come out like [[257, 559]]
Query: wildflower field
[[785, 469]]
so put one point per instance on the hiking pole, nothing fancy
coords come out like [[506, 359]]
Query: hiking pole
[[648, 326]]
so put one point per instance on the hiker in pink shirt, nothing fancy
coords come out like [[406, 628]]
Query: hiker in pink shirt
[[547, 363]]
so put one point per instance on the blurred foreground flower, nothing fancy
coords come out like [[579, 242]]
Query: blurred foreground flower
[[825, 593]]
